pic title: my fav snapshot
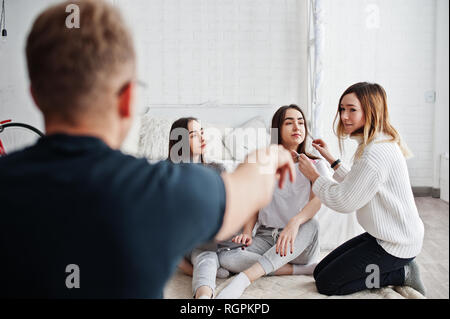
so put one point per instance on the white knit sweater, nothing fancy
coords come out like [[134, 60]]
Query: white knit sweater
[[378, 189]]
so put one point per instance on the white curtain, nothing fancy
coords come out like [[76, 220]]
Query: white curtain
[[316, 41], [335, 228]]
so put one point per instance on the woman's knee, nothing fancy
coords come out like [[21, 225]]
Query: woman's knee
[[325, 287], [309, 233], [328, 282], [237, 260], [228, 260], [205, 257], [311, 225]]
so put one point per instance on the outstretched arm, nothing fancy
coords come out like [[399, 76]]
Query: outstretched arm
[[249, 188], [358, 188]]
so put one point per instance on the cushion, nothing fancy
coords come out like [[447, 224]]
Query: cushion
[[215, 150], [246, 138], [131, 143], [154, 139]]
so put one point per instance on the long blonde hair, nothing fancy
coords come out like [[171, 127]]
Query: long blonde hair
[[372, 97]]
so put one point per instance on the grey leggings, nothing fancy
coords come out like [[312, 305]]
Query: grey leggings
[[263, 250], [205, 264]]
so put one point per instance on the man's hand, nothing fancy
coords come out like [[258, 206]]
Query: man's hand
[[274, 159], [250, 187], [285, 165]]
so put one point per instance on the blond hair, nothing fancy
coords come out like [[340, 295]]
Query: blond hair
[[70, 67], [373, 101]]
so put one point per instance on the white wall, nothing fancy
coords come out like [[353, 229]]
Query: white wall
[[232, 53], [245, 57], [252, 52], [441, 127], [15, 99], [393, 43]]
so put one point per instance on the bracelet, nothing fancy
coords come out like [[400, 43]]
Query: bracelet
[[335, 163]]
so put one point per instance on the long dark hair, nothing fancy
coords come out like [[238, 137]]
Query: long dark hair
[[182, 123], [277, 123]]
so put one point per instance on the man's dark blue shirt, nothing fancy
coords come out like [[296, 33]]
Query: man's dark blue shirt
[[124, 222]]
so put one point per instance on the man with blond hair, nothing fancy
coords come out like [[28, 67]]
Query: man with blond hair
[[80, 219]]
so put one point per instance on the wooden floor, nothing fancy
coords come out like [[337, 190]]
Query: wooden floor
[[433, 259]]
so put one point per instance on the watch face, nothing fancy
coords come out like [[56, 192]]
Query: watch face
[[335, 163]]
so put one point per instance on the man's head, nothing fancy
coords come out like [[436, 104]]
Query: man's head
[[82, 76]]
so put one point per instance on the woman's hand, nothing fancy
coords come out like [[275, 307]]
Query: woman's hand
[[287, 238], [295, 156], [308, 168], [322, 148], [243, 239]]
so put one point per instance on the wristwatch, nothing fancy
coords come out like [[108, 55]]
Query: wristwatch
[[335, 163]]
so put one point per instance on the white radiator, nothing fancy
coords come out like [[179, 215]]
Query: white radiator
[[443, 178]]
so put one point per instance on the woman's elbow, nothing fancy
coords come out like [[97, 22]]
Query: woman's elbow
[[346, 209], [341, 204], [342, 208]]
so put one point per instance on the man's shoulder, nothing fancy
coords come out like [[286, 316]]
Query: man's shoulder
[[135, 170], [140, 172]]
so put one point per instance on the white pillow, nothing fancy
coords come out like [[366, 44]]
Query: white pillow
[[215, 150], [154, 137], [246, 138], [131, 143]]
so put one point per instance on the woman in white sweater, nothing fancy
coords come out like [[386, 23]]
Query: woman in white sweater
[[378, 188]]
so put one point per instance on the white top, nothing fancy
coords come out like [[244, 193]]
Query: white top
[[290, 200], [378, 188]]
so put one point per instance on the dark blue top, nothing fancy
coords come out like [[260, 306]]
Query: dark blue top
[[124, 222]]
